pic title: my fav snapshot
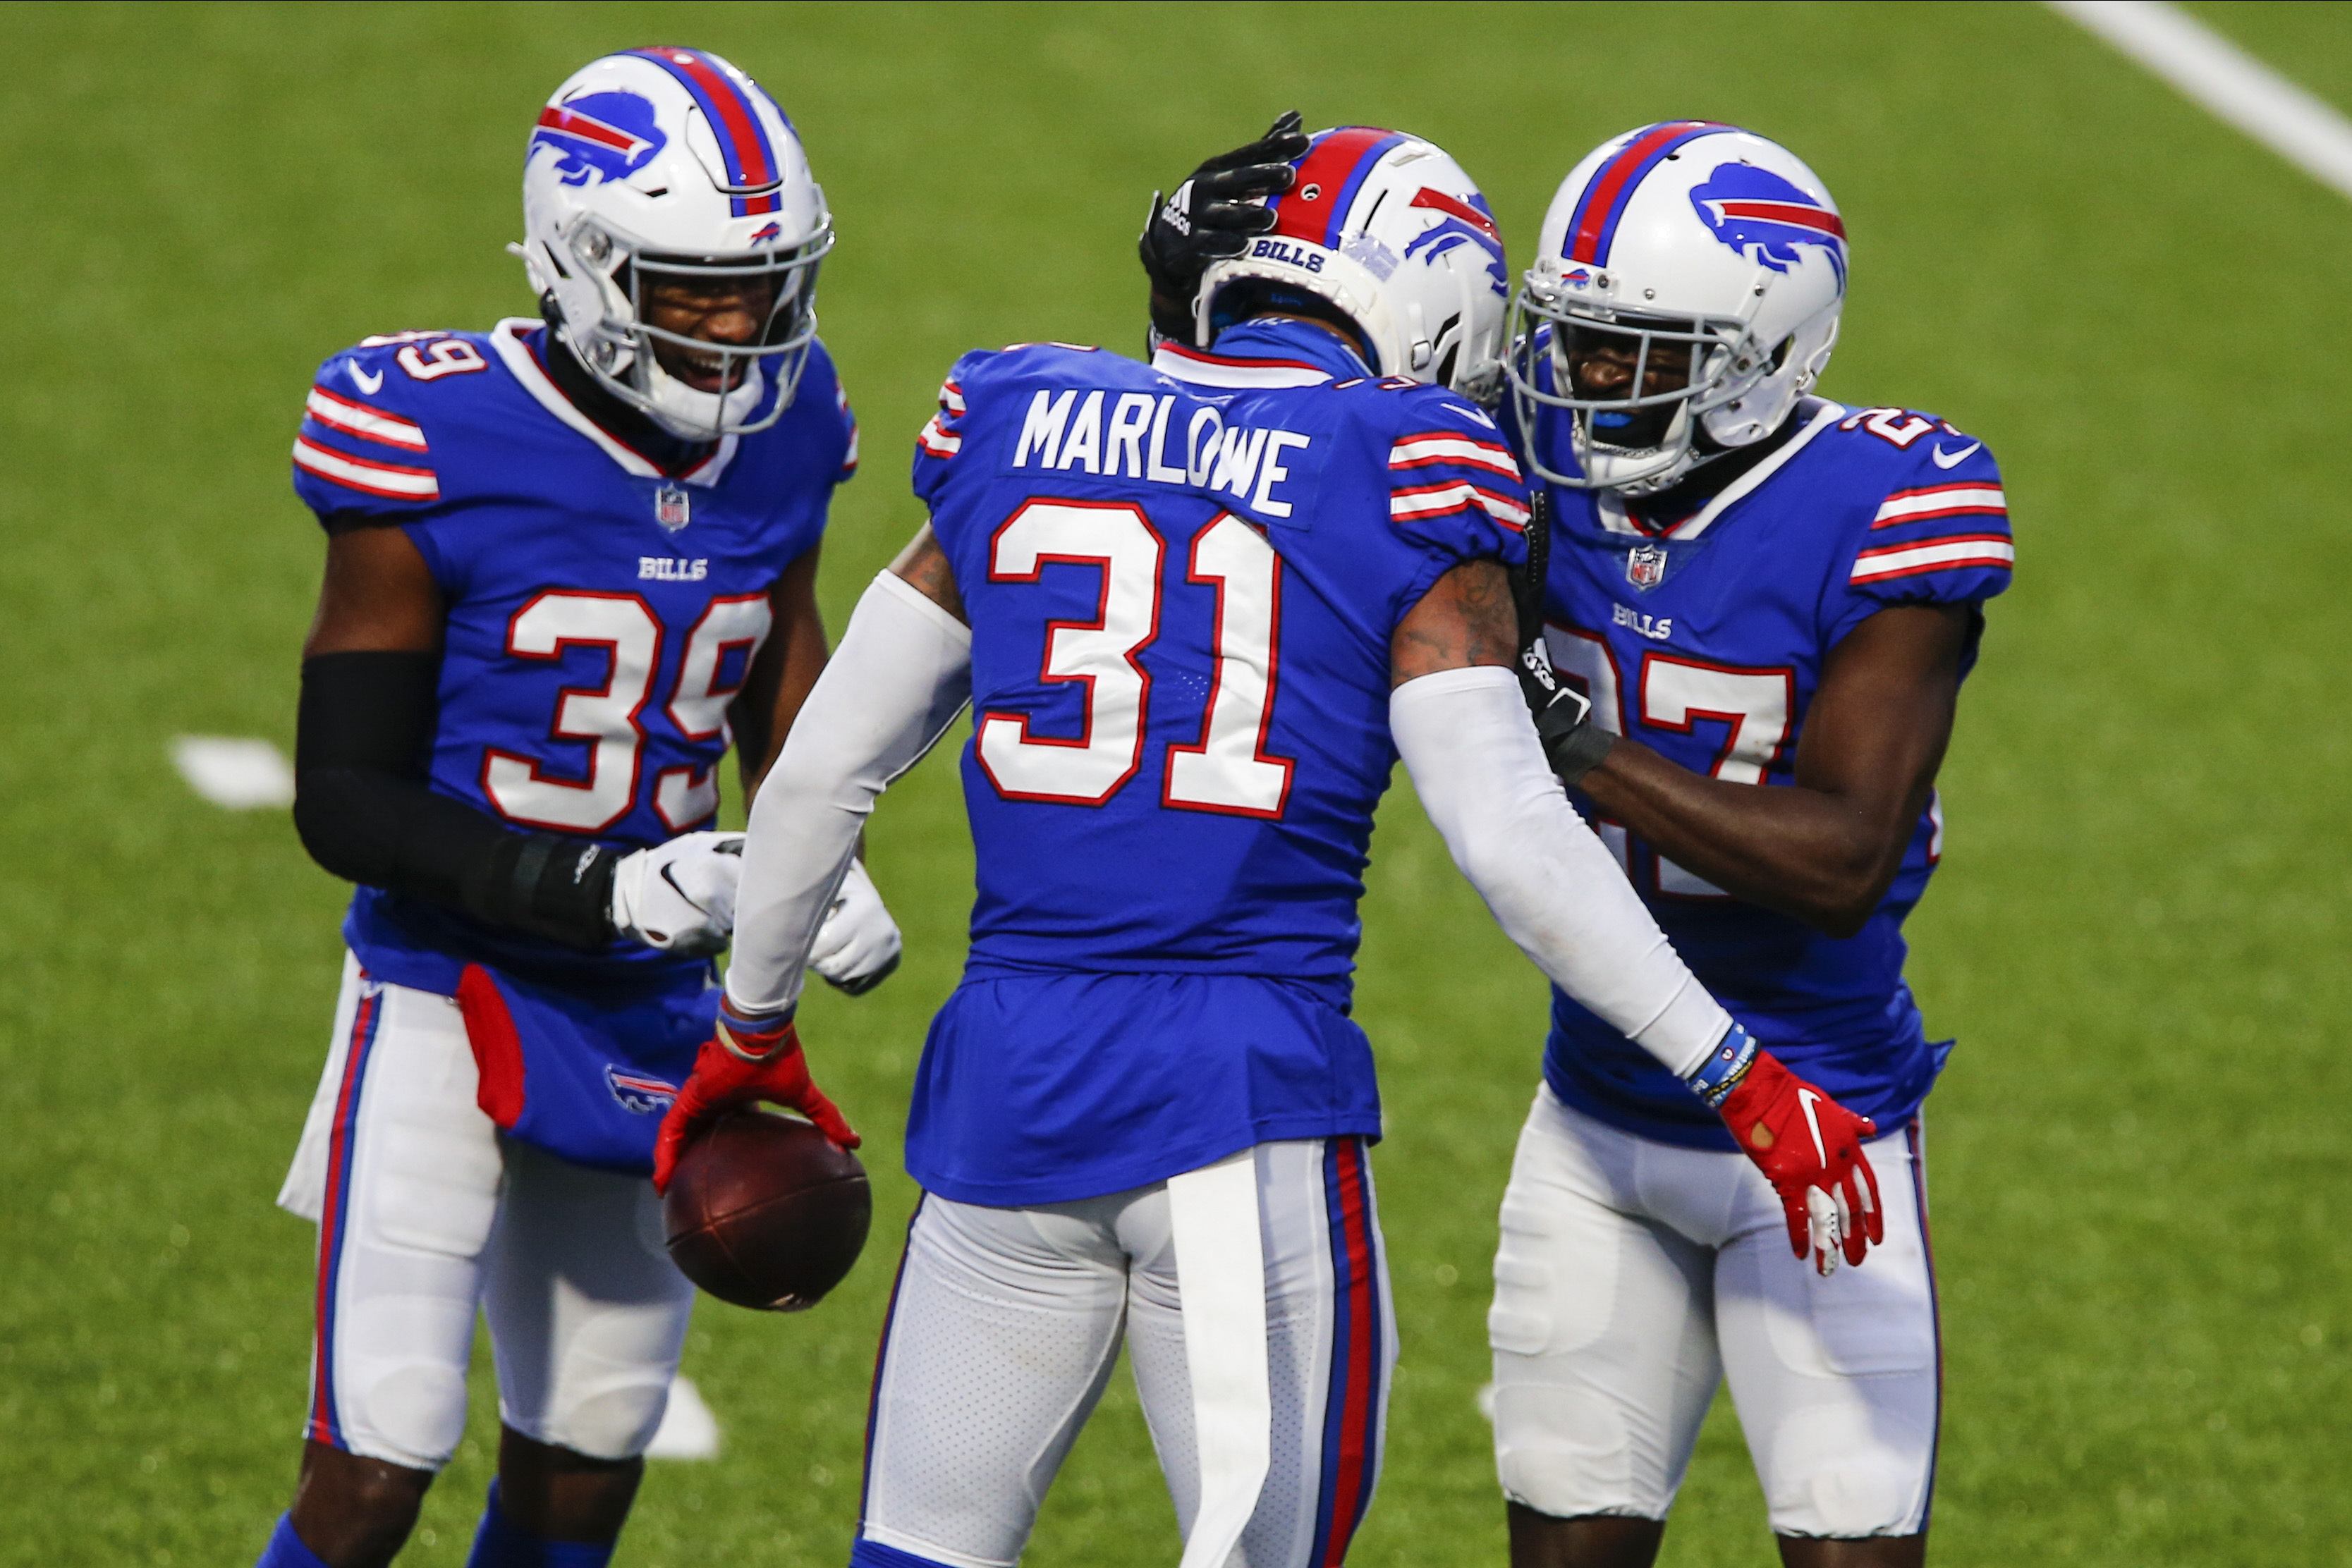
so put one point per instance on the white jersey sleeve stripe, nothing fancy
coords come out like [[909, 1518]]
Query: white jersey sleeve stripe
[[389, 479], [1421, 450], [935, 440], [358, 419], [1941, 501], [1434, 500], [1961, 551]]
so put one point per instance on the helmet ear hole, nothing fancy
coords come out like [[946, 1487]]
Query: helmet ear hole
[[1445, 366]]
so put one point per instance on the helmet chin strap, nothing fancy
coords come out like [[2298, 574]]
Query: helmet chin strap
[[680, 412], [692, 414], [623, 420], [1716, 466]]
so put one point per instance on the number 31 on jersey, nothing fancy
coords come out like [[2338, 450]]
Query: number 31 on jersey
[[1227, 770]]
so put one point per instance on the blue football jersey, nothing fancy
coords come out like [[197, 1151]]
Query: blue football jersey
[[1182, 578], [602, 612], [1704, 638]]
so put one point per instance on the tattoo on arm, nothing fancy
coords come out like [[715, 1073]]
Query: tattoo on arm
[[1467, 618], [924, 566]]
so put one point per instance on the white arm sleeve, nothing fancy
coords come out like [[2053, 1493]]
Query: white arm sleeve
[[901, 674], [1554, 888]]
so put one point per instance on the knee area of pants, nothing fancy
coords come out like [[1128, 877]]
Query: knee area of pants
[[1852, 1499], [1566, 1456], [614, 1422], [411, 1415], [1830, 1480]]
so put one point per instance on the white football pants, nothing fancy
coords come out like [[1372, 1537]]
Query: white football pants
[[1635, 1275], [426, 1214], [1253, 1298]]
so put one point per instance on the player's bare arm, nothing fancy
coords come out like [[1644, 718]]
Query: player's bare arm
[[924, 567], [377, 597], [1827, 850], [779, 681], [1465, 619]]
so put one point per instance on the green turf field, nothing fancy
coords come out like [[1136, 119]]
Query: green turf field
[[2137, 1162]]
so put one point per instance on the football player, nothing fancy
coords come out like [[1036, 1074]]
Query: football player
[[1198, 607], [1749, 585], [568, 559], [1755, 587]]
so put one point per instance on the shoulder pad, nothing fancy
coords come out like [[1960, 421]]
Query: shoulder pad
[[363, 445]]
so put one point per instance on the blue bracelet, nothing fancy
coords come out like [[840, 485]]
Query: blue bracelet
[[737, 1027], [1725, 1066]]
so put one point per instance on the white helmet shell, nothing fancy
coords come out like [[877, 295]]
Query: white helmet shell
[[1388, 229], [1687, 235], [669, 164]]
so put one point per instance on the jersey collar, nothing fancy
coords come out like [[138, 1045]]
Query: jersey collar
[[1610, 507], [1262, 354], [508, 339]]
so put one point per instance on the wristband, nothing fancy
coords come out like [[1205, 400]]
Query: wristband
[[754, 1038], [547, 884], [1724, 1068]]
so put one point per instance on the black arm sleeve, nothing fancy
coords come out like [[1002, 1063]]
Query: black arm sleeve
[[365, 813]]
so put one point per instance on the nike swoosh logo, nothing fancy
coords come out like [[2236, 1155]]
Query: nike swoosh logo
[[694, 903], [1942, 461], [372, 385], [1805, 1097]]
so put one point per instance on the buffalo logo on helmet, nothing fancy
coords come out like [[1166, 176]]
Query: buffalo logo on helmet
[[607, 135], [1464, 223], [1645, 566], [641, 1092], [768, 233], [1765, 218]]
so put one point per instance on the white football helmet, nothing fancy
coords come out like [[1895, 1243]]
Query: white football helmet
[[1694, 239], [1388, 229], [669, 164]]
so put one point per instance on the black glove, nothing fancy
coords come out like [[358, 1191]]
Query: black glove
[[1527, 577], [1211, 217], [1572, 743]]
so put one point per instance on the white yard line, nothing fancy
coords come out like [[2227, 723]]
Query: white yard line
[[237, 774], [2210, 70], [689, 1431]]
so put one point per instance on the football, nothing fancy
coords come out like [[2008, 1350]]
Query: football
[[764, 1212]]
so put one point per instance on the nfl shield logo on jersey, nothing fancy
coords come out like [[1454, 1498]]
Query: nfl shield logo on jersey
[[670, 508], [1645, 566]]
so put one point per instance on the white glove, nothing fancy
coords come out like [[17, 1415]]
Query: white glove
[[679, 896], [858, 944]]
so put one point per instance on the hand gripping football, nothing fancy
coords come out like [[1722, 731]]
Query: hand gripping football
[[764, 1212]]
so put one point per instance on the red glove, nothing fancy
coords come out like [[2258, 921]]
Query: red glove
[[737, 1066], [1810, 1148]]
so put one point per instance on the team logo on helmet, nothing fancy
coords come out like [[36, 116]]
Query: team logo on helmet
[[639, 1091], [1765, 218], [1463, 224], [608, 135], [769, 234]]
